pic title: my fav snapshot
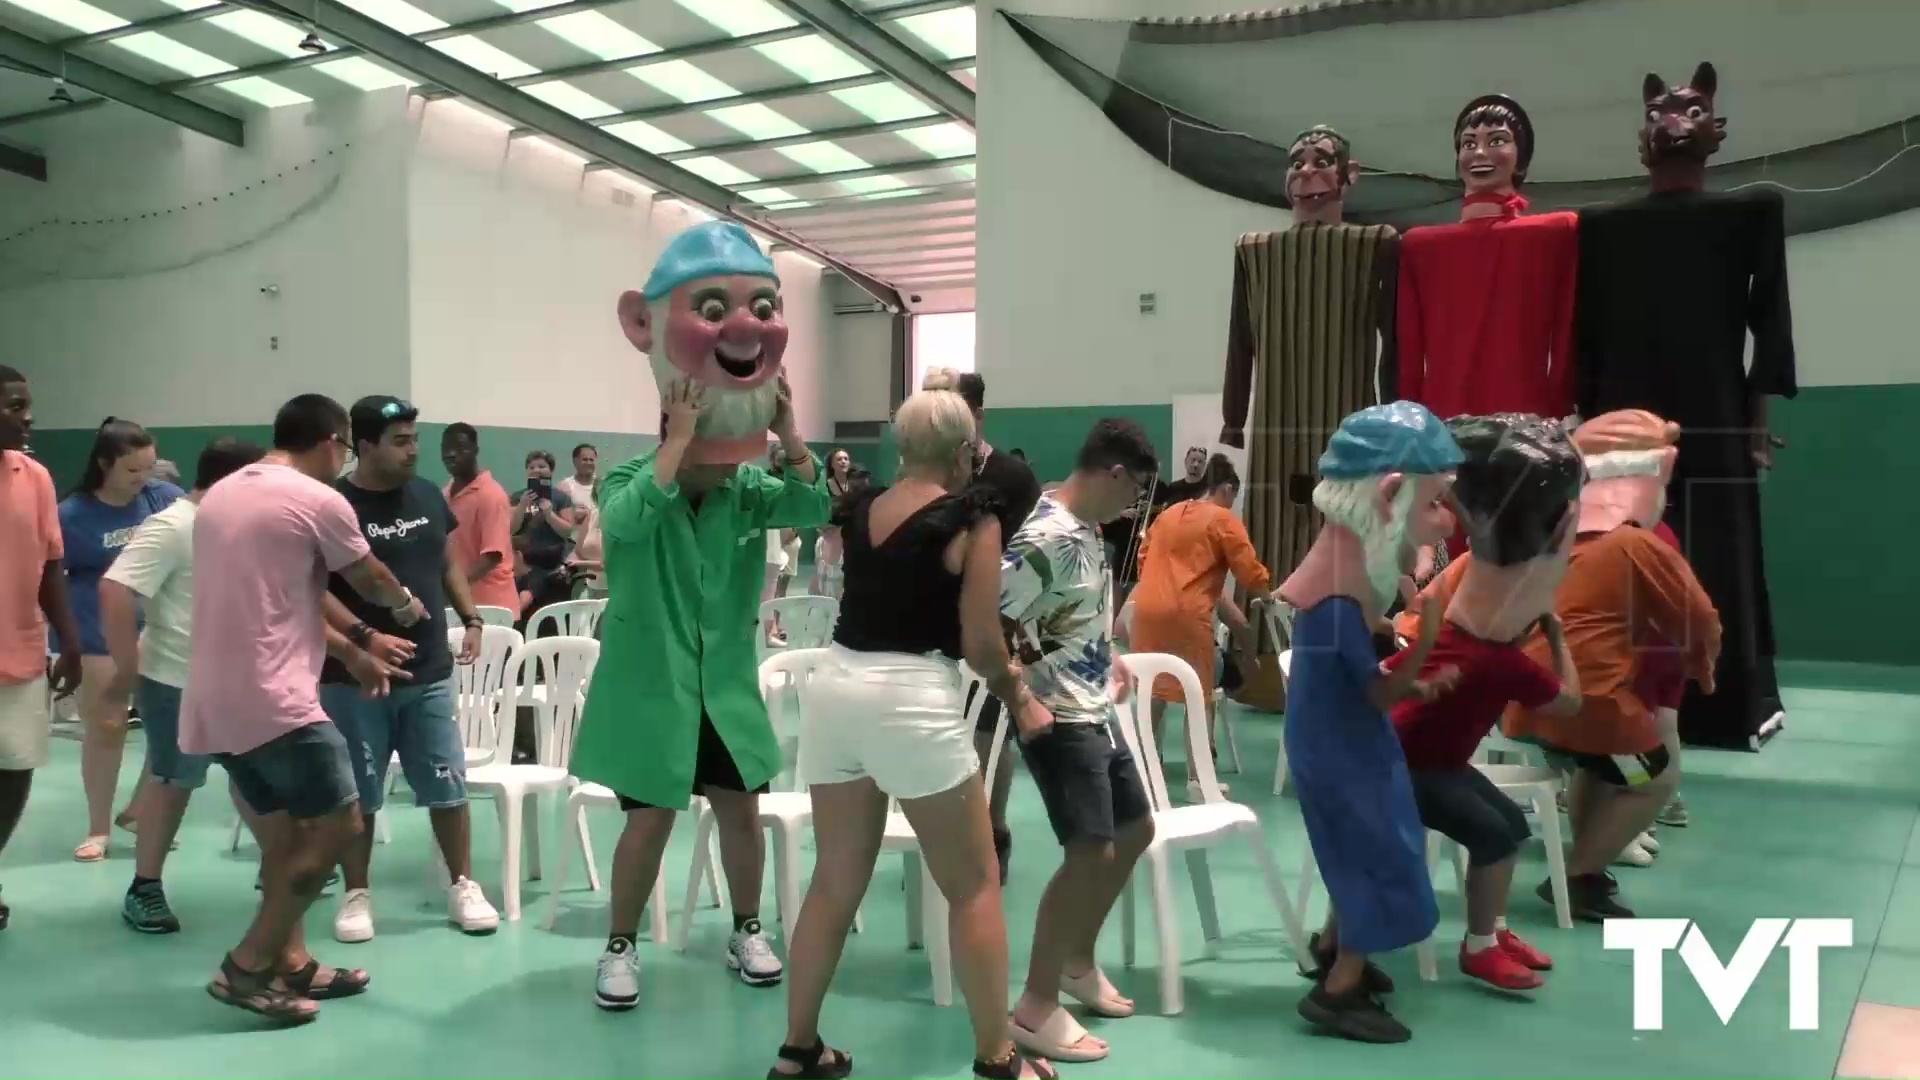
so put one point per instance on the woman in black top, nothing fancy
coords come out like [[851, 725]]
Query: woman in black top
[[884, 716]]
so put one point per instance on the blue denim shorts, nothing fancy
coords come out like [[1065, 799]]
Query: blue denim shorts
[[304, 773], [414, 722], [160, 719]]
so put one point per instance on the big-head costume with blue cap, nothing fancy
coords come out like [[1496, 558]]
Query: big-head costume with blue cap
[[710, 312]]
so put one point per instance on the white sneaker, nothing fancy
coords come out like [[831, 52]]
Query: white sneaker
[[751, 955], [617, 988], [354, 921], [1648, 842], [1634, 855], [467, 908]]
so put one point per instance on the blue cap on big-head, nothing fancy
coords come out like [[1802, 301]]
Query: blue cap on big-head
[[710, 249], [1398, 437]]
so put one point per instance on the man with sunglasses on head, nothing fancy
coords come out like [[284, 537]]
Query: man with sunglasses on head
[[1056, 595], [409, 526]]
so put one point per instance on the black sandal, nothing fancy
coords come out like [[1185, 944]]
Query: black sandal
[[345, 982], [1011, 1068], [817, 1062], [254, 991]]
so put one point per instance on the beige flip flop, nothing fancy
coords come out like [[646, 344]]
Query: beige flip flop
[[1097, 994], [92, 849], [1058, 1039]]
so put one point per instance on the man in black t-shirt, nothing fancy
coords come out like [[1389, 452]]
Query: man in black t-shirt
[[408, 524], [1013, 481]]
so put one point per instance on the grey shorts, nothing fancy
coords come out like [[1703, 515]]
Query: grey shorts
[[160, 719], [304, 773]]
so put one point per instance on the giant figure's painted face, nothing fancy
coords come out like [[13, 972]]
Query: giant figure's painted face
[[1493, 145], [1319, 170], [1680, 122], [712, 313]]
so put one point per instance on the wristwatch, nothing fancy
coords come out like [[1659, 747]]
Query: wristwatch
[[472, 622], [404, 604]]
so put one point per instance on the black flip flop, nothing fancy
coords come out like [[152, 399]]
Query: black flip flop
[[816, 1062], [1011, 1068], [346, 982]]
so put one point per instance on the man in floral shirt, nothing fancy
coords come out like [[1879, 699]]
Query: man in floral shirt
[[1055, 597]]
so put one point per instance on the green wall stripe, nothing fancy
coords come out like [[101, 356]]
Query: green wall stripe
[[1838, 530]]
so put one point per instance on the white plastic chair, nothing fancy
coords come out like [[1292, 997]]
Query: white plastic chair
[[1280, 767], [807, 622], [1123, 633], [1190, 829], [785, 813], [492, 616], [567, 618], [927, 912], [565, 665]]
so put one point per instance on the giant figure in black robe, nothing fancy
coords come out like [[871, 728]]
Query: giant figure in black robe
[[1670, 285]]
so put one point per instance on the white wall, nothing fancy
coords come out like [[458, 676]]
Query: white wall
[[161, 317], [1075, 222], [519, 256]]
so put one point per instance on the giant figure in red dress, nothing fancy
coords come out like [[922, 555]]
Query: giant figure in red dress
[[1671, 285]]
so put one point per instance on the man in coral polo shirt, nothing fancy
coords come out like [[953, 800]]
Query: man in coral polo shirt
[[482, 514], [33, 592]]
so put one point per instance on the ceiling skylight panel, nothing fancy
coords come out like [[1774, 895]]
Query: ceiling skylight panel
[[192, 5], [949, 33], [571, 99], [941, 140], [481, 56], [647, 137], [720, 171], [772, 196], [883, 103], [597, 34], [757, 122], [681, 80], [265, 92], [169, 53], [814, 59], [263, 30], [868, 185], [965, 170], [739, 17], [81, 16], [397, 14], [824, 157], [363, 74]]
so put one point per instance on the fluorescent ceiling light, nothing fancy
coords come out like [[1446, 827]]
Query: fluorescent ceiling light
[[81, 16], [941, 140], [647, 137], [739, 17], [571, 100], [363, 74], [883, 103], [265, 92], [948, 33], [719, 170]]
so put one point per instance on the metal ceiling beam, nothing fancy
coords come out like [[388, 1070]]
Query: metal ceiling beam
[[944, 281], [431, 65], [22, 162], [957, 258], [48, 60], [878, 247], [885, 53], [958, 197], [896, 168], [851, 233]]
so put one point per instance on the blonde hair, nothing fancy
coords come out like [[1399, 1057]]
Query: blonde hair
[[931, 425], [941, 378]]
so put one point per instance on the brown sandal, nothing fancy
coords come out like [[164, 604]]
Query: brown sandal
[[346, 982], [255, 992]]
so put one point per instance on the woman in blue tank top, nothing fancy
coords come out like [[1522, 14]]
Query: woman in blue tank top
[[115, 494]]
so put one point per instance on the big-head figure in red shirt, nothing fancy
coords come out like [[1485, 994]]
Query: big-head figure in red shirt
[[1518, 494]]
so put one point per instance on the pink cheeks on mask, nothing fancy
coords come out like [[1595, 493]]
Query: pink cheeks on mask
[[729, 332]]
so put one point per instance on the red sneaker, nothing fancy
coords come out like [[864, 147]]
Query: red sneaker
[[1498, 967], [1529, 956]]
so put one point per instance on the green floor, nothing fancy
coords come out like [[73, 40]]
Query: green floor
[[1820, 824]]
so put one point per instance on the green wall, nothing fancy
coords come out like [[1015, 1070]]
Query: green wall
[[1838, 534]]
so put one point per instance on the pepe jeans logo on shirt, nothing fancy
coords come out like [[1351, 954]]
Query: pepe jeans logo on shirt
[[396, 531]]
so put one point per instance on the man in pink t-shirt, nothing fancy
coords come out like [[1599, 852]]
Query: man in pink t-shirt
[[265, 540], [31, 585]]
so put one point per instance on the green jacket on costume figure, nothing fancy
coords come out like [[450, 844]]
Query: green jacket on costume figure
[[677, 636]]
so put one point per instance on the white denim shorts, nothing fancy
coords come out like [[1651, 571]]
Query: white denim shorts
[[896, 717], [25, 723]]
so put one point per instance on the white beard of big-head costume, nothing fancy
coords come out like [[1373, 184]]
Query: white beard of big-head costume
[[1354, 505], [731, 416]]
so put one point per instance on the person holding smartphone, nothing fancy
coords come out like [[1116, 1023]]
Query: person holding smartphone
[[543, 525]]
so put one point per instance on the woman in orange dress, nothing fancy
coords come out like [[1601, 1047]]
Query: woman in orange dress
[[1184, 562]]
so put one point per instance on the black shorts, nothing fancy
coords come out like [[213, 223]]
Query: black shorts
[[713, 767], [1088, 779], [1469, 809], [1620, 770], [305, 773]]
